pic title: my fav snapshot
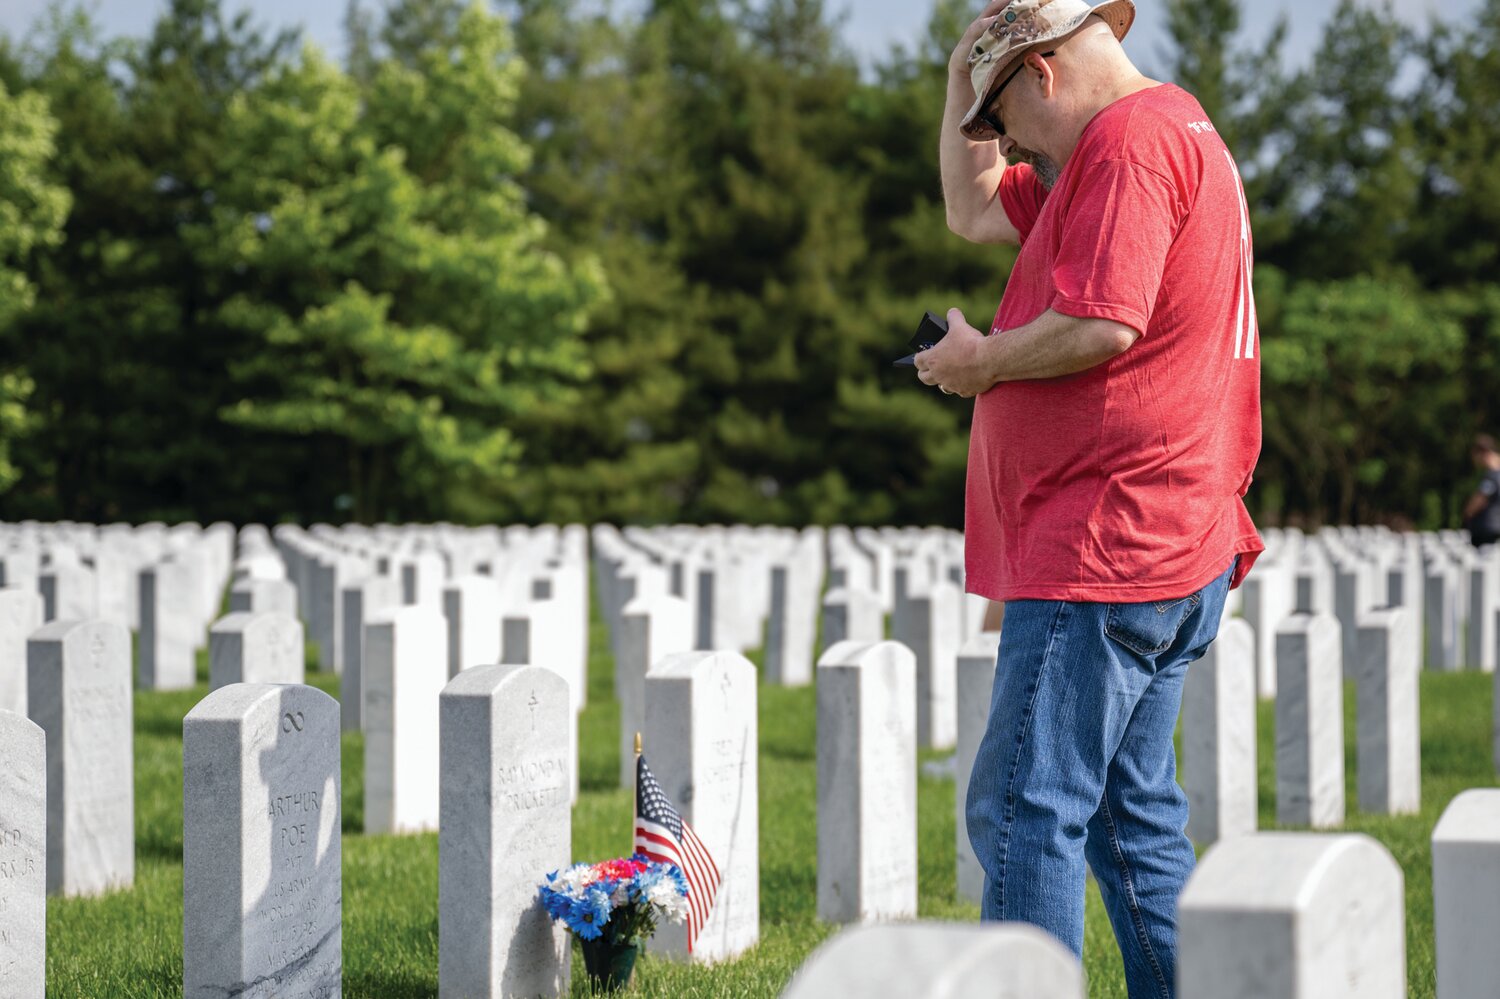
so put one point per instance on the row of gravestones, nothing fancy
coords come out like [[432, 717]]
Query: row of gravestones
[[1285, 914]]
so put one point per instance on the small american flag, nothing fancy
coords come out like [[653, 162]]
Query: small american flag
[[662, 835]]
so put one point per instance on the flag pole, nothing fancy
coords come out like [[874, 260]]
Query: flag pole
[[634, 804]]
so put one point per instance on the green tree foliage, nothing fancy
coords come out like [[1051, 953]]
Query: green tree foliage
[[652, 264], [382, 256], [32, 210]]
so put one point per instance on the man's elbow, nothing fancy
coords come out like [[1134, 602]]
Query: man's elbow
[[1113, 339], [961, 225]]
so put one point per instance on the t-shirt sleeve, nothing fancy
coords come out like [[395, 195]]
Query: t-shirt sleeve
[[1488, 486], [1114, 244], [1022, 196]]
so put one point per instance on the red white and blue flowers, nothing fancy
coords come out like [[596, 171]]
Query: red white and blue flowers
[[622, 898]]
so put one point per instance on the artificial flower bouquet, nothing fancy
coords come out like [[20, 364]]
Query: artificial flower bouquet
[[613, 907]]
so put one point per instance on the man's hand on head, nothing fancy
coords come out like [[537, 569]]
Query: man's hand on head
[[957, 363], [958, 62]]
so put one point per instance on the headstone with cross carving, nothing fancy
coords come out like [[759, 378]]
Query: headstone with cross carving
[[261, 859], [255, 648], [20, 615], [505, 821], [78, 689], [405, 667], [23, 857], [700, 738]]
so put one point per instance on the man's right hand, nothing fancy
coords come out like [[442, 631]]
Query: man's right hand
[[958, 63]]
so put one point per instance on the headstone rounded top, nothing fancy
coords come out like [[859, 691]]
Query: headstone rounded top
[[236, 700], [1286, 870], [940, 961], [682, 665], [852, 652], [484, 681], [56, 630], [1471, 817]]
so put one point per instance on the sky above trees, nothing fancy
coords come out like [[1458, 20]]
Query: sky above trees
[[871, 26]]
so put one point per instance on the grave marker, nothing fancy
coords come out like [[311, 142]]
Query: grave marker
[[1466, 895], [23, 857], [1309, 722], [506, 822], [255, 648], [404, 670], [867, 783], [700, 737], [262, 888], [1296, 916], [78, 686]]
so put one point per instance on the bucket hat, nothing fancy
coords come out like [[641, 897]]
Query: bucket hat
[[1018, 28]]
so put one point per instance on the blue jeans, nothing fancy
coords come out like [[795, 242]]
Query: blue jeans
[[1076, 765]]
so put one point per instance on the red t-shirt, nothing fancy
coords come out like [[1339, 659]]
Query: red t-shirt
[[1125, 482]]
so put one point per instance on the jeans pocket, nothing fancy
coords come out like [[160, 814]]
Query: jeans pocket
[[1149, 628]]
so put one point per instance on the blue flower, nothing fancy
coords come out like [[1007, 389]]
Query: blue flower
[[587, 915]]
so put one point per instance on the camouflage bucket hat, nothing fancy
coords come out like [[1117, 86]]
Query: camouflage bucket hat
[[1022, 25]]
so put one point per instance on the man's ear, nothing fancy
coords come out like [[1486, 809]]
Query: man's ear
[[1044, 76]]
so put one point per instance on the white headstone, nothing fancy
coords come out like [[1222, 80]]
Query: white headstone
[[259, 595], [1484, 600], [1466, 895], [422, 578], [976, 685], [506, 822], [700, 741], [69, 593], [471, 605], [929, 623], [940, 961], [1218, 737], [404, 669], [255, 648], [1441, 601], [652, 627], [169, 626], [1387, 716], [1295, 916], [362, 601], [23, 858], [793, 622], [1309, 722], [20, 615], [78, 686], [851, 616], [262, 895], [1269, 597], [867, 783]]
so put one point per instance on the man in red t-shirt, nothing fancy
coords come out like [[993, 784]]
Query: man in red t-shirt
[[1116, 426]]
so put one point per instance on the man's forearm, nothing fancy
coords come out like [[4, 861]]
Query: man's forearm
[[971, 170], [1053, 345]]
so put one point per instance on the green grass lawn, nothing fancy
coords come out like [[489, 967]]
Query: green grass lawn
[[129, 944]]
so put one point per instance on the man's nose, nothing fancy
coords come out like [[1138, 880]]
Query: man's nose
[[1007, 146]]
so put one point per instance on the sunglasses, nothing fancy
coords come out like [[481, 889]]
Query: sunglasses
[[988, 115]]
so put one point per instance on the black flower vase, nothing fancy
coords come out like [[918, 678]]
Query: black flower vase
[[609, 962]]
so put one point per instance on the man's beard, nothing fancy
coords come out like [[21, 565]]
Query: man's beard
[[1047, 171]]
